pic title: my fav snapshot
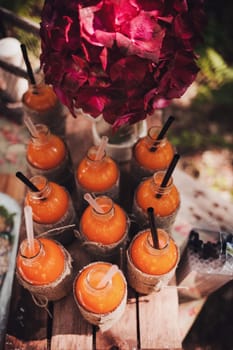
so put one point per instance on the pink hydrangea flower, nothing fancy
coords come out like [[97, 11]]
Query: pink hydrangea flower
[[120, 58]]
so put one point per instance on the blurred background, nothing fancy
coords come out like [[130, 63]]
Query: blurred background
[[203, 134]]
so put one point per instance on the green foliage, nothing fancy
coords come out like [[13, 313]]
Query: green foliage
[[214, 70], [190, 141], [28, 8], [215, 80]]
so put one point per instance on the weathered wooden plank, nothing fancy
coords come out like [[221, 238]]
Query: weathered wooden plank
[[27, 322], [70, 330], [188, 311], [71, 342], [13, 343], [158, 320], [123, 334]]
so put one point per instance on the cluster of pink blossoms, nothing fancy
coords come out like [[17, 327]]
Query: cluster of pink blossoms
[[120, 58]]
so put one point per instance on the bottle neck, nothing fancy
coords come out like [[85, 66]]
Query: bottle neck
[[151, 138], [31, 255], [91, 156], [43, 185], [106, 211], [43, 135], [94, 277], [156, 182], [164, 242]]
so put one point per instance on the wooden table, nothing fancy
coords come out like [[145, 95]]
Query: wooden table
[[149, 322]]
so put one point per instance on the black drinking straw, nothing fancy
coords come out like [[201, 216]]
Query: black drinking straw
[[168, 173], [154, 233], [26, 181], [162, 132], [28, 64]]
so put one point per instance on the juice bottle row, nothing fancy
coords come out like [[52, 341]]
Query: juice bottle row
[[100, 288]]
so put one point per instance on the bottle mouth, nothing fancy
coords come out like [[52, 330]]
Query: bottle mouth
[[153, 134], [43, 133], [42, 183], [157, 179], [94, 277], [28, 253], [106, 205], [163, 241], [92, 152]]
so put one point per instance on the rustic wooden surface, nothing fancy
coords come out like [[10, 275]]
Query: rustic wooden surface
[[149, 322]]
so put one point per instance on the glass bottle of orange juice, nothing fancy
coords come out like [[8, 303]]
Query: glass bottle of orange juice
[[101, 302], [150, 155], [104, 229], [52, 208], [149, 268], [164, 200], [98, 176], [48, 155], [46, 270], [41, 104]]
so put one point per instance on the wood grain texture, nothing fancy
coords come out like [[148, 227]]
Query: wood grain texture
[[13, 343], [158, 320], [123, 335], [70, 330]]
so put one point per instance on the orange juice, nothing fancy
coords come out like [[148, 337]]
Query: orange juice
[[165, 201], [97, 300], [107, 227], [42, 105], [148, 267], [46, 270], [164, 205], [52, 208], [48, 155], [153, 160], [151, 155], [97, 175], [45, 151], [101, 306], [150, 260], [40, 98], [46, 264], [104, 233]]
